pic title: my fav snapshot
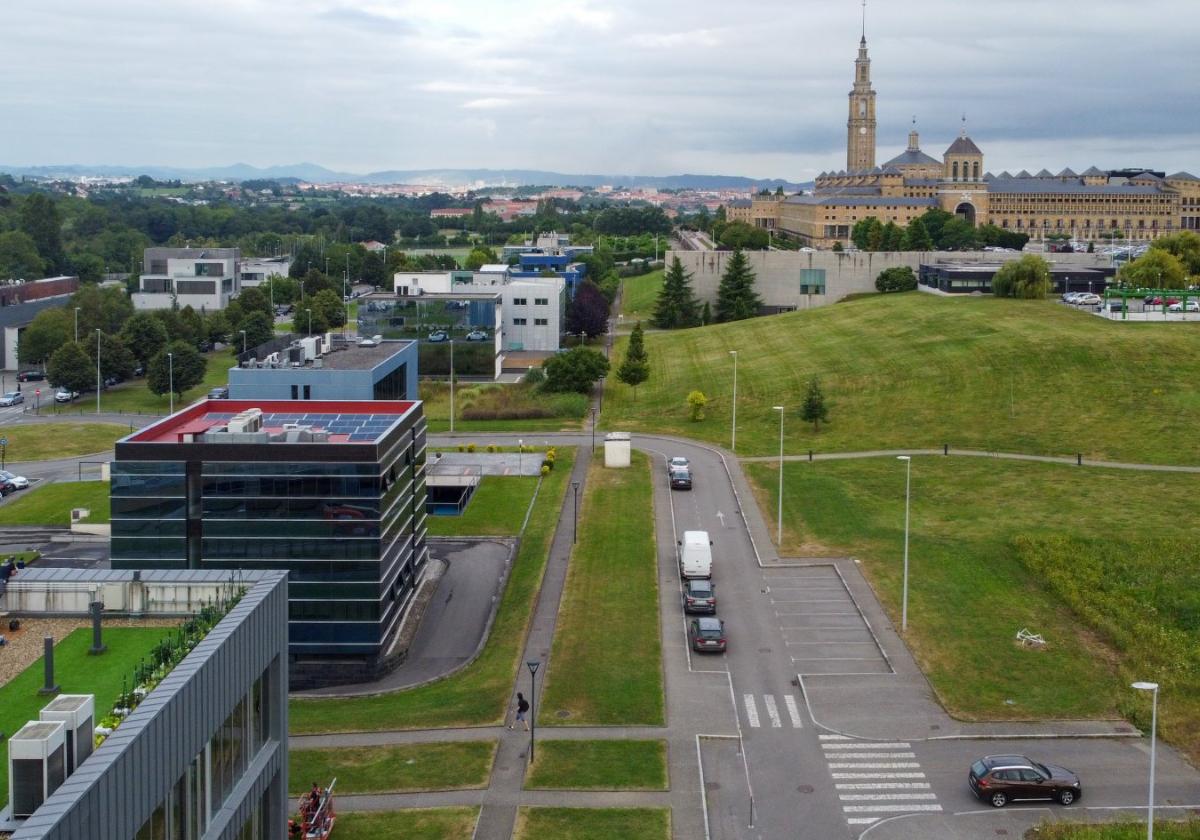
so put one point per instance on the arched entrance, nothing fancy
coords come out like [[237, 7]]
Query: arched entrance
[[966, 211]]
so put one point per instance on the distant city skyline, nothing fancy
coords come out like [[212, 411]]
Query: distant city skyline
[[620, 87]]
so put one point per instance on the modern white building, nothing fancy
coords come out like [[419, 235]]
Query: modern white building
[[533, 310], [412, 283], [202, 278], [492, 274], [254, 271]]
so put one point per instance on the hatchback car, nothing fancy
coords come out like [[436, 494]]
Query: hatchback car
[[219, 393], [1187, 306], [12, 398], [1087, 299], [707, 635], [30, 376], [477, 335], [681, 479], [439, 335], [7, 487], [62, 395], [1000, 779], [19, 482], [699, 596], [678, 463]]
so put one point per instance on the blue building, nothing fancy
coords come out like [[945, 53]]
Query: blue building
[[313, 368], [533, 264]]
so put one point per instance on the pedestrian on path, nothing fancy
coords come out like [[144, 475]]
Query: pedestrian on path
[[522, 710]]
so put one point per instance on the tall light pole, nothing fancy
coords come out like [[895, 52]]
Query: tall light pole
[[1149, 686], [171, 380], [532, 665], [520, 457], [593, 428], [309, 311], [779, 515], [451, 384], [97, 370], [243, 332], [575, 526], [77, 324], [907, 496], [733, 434]]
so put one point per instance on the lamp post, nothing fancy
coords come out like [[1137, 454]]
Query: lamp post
[[171, 380], [243, 332], [97, 370], [309, 311], [520, 456], [593, 428], [451, 384], [1149, 686], [533, 666], [733, 434], [907, 496], [575, 525], [77, 324], [779, 515]]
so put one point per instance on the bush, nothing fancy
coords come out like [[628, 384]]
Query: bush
[[547, 465], [545, 471], [898, 279], [534, 376], [470, 447], [696, 402]]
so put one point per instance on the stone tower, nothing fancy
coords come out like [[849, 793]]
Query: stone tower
[[860, 128]]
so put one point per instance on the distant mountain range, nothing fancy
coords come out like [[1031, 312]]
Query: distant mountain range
[[316, 174]]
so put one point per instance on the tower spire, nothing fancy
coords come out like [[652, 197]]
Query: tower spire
[[864, 21]]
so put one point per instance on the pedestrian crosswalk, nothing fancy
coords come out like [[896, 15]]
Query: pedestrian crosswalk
[[877, 779], [775, 719]]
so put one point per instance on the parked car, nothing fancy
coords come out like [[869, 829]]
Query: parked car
[[707, 634], [678, 463], [695, 555], [681, 479], [30, 376], [1000, 779], [20, 482], [7, 487], [62, 395], [220, 393], [204, 346], [1188, 305], [1087, 299], [110, 381], [1069, 297], [477, 335], [439, 335], [12, 398], [140, 370], [1159, 301], [699, 596]]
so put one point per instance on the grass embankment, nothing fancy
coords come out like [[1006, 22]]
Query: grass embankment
[[605, 671], [477, 695], [76, 673], [1163, 830], [508, 408], [50, 504], [402, 768], [497, 508], [599, 765], [639, 294], [133, 397], [411, 824], [49, 441], [593, 823], [1000, 545], [914, 370]]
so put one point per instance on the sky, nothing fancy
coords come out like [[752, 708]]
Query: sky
[[639, 87]]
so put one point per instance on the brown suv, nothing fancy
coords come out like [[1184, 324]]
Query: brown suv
[[1000, 779]]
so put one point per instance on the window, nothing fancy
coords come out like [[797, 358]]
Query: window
[[540, 322], [519, 301], [308, 392], [541, 301], [518, 322]]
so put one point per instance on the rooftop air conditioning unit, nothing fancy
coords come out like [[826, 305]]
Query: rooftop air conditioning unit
[[377, 338], [37, 765], [249, 420], [366, 342], [77, 712]]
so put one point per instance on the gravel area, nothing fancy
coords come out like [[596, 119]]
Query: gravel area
[[24, 647]]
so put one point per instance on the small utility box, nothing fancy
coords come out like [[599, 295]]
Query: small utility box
[[76, 712], [616, 449], [37, 765]]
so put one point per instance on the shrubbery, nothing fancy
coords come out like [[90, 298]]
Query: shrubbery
[[898, 279]]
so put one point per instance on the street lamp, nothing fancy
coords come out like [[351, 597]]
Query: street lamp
[[243, 332], [1149, 686], [452, 385], [593, 428], [97, 370], [907, 495], [575, 525], [77, 324], [309, 311], [171, 380], [733, 435], [779, 515], [520, 455], [533, 666]]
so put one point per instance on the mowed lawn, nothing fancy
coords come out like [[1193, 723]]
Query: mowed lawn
[[599, 765], [485, 407], [1163, 830], [411, 824], [973, 582], [398, 768], [51, 504], [593, 824], [606, 662], [915, 370], [477, 695], [639, 294], [497, 508], [49, 441]]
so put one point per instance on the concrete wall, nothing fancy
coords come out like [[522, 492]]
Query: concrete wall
[[778, 275]]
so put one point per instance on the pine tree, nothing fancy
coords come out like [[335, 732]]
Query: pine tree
[[736, 299], [706, 315], [635, 369], [814, 409], [916, 237], [676, 305]]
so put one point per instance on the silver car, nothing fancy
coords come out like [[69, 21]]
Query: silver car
[[12, 398]]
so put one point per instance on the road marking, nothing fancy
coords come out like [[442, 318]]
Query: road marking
[[872, 755], [836, 659], [834, 737], [895, 745], [880, 765], [875, 809], [772, 711], [751, 711], [793, 711], [878, 775], [862, 820], [883, 786], [885, 797]]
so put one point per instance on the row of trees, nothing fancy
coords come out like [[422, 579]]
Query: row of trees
[[1170, 263], [677, 307], [934, 230]]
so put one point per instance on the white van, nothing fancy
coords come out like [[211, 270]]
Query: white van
[[695, 555]]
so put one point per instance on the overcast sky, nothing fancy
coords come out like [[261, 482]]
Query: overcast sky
[[650, 87]]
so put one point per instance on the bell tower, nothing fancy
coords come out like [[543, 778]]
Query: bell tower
[[860, 128]]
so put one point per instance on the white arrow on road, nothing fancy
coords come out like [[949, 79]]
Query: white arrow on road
[[721, 517]]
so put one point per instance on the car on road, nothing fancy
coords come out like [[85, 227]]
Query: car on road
[[477, 335], [678, 463], [1187, 306], [62, 395], [707, 635], [30, 376], [438, 336], [112, 380], [219, 393], [681, 479], [699, 596], [19, 482], [12, 398], [1001, 779], [7, 487]]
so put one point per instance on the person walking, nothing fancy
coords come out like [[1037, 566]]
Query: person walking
[[522, 710]]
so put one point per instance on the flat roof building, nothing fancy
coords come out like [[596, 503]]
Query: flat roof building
[[202, 278], [325, 367]]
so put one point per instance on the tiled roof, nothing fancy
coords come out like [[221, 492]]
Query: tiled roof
[[1024, 173], [1045, 173], [1092, 172], [963, 146], [913, 158], [1182, 176], [1067, 173], [1035, 186], [741, 202], [861, 201]]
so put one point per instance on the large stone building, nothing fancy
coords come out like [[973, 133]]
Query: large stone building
[[1093, 205]]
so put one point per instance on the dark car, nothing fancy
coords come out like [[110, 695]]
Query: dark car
[[30, 376], [140, 370], [1000, 779], [707, 634], [220, 393], [681, 480], [699, 596], [7, 486]]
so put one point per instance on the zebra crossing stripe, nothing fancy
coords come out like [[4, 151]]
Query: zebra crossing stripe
[[883, 786], [878, 765], [843, 756], [751, 710], [878, 775], [793, 711], [884, 797], [834, 737], [895, 745], [772, 711], [862, 820], [876, 809]]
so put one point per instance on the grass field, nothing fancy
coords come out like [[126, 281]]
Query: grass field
[[401, 768], [497, 508], [411, 824], [77, 673], [918, 371], [477, 695], [978, 527], [593, 824], [50, 504], [599, 765], [49, 441], [596, 677], [639, 294], [510, 408], [1163, 830]]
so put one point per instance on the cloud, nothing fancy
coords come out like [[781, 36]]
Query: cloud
[[488, 102]]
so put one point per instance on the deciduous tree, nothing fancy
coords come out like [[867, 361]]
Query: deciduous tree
[[1028, 277], [115, 358], [184, 369], [19, 258], [49, 330], [696, 402], [70, 367], [588, 311], [916, 237], [896, 279], [259, 330], [578, 369], [144, 335], [40, 219]]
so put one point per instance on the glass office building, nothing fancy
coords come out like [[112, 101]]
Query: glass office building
[[331, 492]]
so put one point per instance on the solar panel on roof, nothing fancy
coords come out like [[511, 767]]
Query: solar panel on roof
[[362, 436]]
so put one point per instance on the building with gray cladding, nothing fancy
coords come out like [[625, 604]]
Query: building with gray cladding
[[326, 367], [204, 755]]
